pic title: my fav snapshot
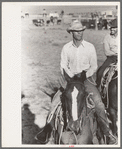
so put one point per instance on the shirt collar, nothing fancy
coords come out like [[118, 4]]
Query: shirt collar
[[82, 43]]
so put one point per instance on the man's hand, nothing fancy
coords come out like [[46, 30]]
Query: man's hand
[[81, 75], [78, 75]]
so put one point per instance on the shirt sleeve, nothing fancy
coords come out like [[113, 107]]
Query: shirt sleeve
[[106, 46], [93, 62], [64, 63]]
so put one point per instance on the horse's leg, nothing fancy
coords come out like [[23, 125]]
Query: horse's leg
[[68, 138], [112, 92], [86, 135], [113, 118]]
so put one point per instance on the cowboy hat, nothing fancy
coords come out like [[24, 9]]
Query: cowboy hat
[[113, 23], [76, 26]]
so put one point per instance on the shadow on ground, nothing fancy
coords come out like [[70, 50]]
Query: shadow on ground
[[29, 129]]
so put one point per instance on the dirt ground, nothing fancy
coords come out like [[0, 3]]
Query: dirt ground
[[40, 53]]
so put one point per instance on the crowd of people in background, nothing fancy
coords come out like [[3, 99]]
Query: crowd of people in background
[[90, 19]]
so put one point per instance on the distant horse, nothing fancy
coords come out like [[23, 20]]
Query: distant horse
[[47, 22], [109, 90], [77, 124], [38, 22], [26, 14], [59, 21], [54, 20], [102, 24]]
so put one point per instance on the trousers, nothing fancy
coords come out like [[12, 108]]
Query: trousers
[[108, 61], [99, 106]]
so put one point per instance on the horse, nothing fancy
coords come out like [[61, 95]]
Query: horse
[[102, 24], [26, 14], [38, 22], [54, 20], [73, 119], [76, 123], [109, 94], [59, 21]]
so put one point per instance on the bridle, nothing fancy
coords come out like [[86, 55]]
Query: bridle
[[69, 83], [84, 114], [66, 114]]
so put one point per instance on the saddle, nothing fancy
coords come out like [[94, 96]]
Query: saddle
[[106, 79]]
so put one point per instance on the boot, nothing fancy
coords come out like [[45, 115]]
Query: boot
[[112, 139], [44, 135]]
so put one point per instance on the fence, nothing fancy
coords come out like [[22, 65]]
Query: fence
[[88, 22]]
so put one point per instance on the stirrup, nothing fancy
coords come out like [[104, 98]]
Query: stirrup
[[44, 138]]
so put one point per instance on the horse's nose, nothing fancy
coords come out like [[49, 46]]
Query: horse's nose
[[74, 126]]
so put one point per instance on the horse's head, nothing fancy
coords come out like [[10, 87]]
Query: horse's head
[[73, 100]]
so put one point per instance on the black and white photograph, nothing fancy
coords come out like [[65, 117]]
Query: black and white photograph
[[69, 74]]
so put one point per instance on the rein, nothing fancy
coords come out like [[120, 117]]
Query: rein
[[85, 114], [73, 125], [114, 78]]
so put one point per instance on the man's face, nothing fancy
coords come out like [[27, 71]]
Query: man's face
[[113, 30], [77, 35]]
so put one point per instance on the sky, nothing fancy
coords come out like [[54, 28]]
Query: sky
[[67, 9]]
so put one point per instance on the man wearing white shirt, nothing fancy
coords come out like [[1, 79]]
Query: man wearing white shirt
[[76, 59], [80, 56], [110, 48], [77, 56]]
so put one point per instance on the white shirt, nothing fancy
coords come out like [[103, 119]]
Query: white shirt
[[76, 59], [110, 45]]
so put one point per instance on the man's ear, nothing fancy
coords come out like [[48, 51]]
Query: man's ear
[[66, 76]]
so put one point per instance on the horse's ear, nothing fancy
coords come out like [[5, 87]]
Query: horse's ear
[[66, 76]]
